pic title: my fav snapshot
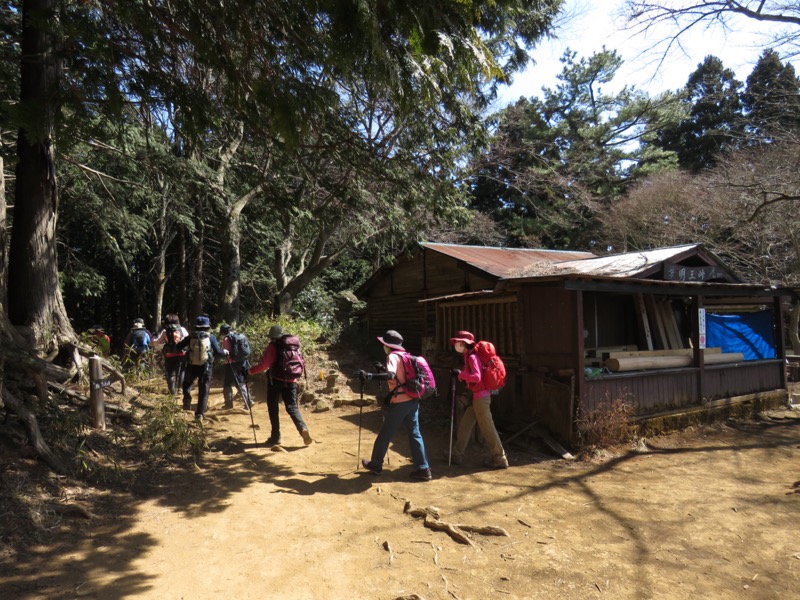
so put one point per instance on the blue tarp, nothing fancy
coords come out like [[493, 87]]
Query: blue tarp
[[752, 334]]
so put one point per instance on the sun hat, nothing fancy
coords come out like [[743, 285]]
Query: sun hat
[[392, 339], [202, 322], [462, 336], [275, 332], [138, 324], [225, 328], [98, 328]]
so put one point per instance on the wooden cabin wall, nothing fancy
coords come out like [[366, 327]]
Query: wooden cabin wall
[[494, 319], [393, 301], [550, 327]]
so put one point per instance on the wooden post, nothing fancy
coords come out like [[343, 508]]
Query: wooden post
[[644, 326], [97, 400]]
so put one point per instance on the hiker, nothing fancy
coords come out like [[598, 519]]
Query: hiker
[[285, 363], [402, 409], [236, 366], [480, 405], [137, 342], [202, 348], [174, 359], [101, 340]]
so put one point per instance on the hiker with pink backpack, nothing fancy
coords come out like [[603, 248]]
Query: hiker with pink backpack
[[402, 404], [483, 372]]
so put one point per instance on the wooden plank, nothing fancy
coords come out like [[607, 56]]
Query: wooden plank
[[603, 351], [676, 352], [635, 363], [668, 319], [641, 316], [659, 335], [548, 439], [670, 324]]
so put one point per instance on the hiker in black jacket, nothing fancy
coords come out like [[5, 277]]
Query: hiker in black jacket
[[203, 347]]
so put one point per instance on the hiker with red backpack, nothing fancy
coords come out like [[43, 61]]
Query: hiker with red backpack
[[402, 409], [174, 359], [285, 363], [481, 374]]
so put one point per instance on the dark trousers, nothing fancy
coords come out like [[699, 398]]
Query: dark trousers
[[173, 371], [203, 375], [277, 390], [234, 377]]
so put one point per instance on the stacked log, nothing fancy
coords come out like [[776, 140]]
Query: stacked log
[[636, 363]]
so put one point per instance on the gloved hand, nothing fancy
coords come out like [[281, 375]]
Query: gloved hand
[[225, 352], [379, 366], [455, 372], [362, 375]]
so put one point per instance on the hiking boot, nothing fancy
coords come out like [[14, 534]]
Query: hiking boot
[[422, 474], [228, 405], [497, 462], [455, 459], [370, 467], [199, 418], [273, 441], [306, 437]]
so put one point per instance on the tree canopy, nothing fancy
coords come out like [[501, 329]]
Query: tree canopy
[[191, 136]]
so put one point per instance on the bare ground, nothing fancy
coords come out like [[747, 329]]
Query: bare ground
[[709, 513]]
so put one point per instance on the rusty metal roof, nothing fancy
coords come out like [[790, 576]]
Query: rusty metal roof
[[505, 262], [630, 264]]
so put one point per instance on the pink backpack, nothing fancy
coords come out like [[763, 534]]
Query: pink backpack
[[419, 377]]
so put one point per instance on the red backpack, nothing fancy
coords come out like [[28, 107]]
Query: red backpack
[[494, 371], [289, 363]]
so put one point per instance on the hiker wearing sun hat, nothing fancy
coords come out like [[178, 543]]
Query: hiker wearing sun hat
[[480, 405], [402, 410]]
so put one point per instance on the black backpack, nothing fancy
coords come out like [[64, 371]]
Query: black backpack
[[173, 335], [240, 347], [139, 341], [289, 363]]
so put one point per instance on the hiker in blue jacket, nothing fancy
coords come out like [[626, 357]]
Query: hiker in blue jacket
[[137, 343], [235, 368]]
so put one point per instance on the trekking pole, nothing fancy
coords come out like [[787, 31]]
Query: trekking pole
[[360, 411], [247, 399], [452, 415]]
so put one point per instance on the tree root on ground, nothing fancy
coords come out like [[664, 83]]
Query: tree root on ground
[[459, 532]]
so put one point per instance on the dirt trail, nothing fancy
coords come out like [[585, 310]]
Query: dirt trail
[[706, 514]]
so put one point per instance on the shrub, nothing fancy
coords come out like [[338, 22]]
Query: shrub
[[606, 425]]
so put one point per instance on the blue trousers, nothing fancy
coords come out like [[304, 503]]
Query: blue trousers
[[406, 414]]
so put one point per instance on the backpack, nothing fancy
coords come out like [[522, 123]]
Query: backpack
[[140, 341], [420, 382], [199, 348], [240, 347], [289, 363], [173, 335], [494, 371]]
